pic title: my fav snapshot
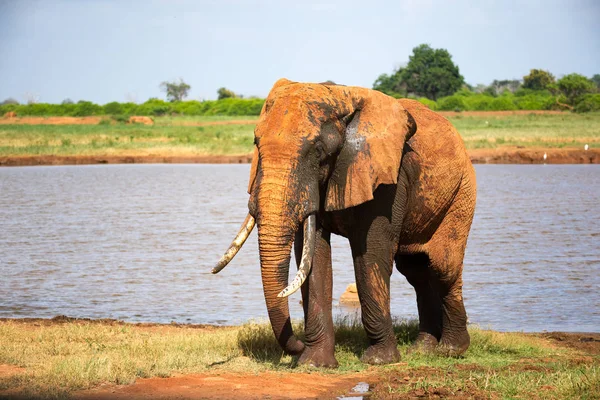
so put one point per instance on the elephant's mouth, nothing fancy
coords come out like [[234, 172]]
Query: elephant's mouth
[[308, 251]]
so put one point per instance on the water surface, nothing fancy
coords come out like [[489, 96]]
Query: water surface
[[137, 242]]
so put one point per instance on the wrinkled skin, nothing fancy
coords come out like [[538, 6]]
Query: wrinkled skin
[[391, 176]]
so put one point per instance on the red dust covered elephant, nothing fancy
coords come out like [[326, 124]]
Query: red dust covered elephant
[[391, 176]]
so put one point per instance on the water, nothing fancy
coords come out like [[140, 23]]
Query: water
[[137, 242]]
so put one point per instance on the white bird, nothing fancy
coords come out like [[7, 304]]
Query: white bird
[[545, 156], [585, 147]]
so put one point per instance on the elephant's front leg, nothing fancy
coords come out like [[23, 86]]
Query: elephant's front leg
[[316, 301], [373, 267]]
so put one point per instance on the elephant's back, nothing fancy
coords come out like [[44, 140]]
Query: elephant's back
[[435, 136], [435, 166]]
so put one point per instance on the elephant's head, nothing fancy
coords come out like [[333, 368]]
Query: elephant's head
[[318, 148]]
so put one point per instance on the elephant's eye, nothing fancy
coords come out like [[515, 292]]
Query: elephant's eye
[[321, 153]]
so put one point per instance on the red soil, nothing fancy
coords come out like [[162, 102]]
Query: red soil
[[503, 155], [267, 385]]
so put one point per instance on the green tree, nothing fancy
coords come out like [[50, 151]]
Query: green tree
[[113, 108], [596, 80], [67, 101], [573, 86], [392, 84], [431, 73], [225, 93], [176, 91], [538, 79]]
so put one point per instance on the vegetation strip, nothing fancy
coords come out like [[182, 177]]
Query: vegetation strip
[[60, 358], [490, 138]]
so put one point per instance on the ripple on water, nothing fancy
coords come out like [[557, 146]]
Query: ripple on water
[[137, 242]]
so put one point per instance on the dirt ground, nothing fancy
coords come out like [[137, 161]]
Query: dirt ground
[[50, 121], [283, 385], [232, 386], [508, 155], [16, 161], [514, 155]]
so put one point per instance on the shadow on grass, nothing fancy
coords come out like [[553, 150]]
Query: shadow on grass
[[256, 340]]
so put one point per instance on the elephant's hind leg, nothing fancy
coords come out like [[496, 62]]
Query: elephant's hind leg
[[446, 251], [316, 301], [416, 268]]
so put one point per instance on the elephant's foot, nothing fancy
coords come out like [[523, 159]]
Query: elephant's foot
[[318, 357], [425, 343], [454, 345], [380, 354]]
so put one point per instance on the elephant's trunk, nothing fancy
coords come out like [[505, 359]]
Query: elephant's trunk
[[276, 229]]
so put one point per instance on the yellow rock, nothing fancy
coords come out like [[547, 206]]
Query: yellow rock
[[350, 296]]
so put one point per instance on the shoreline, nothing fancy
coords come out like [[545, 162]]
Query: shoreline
[[501, 155], [64, 319]]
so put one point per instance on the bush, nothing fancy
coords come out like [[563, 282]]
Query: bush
[[129, 108], [536, 100], [573, 86], [192, 107], [113, 108], [452, 103], [121, 118], [87, 108], [432, 105], [7, 108], [154, 107], [587, 103], [37, 109], [479, 102], [502, 103]]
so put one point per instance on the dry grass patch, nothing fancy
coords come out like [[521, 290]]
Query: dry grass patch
[[65, 356]]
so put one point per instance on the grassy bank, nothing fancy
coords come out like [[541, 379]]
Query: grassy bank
[[541, 131], [188, 136], [164, 138], [59, 358]]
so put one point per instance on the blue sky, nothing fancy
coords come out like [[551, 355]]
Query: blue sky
[[107, 50]]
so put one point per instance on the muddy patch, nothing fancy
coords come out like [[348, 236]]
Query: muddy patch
[[588, 343], [269, 385]]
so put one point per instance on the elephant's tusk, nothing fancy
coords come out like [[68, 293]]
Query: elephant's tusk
[[308, 252], [236, 245]]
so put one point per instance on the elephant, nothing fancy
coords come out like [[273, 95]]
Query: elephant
[[391, 176]]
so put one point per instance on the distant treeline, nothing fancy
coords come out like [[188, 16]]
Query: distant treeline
[[152, 107], [522, 99], [431, 76], [463, 100]]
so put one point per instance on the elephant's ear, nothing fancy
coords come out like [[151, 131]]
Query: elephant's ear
[[253, 169], [371, 153]]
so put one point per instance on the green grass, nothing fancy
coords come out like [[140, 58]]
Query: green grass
[[548, 131], [60, 358], [135, 139], [201, 119], [171, 137]]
